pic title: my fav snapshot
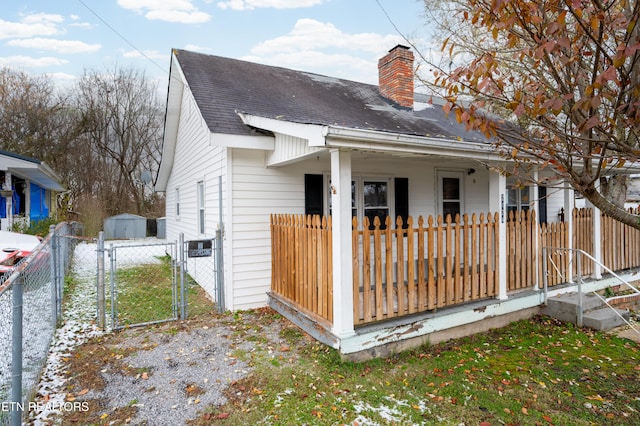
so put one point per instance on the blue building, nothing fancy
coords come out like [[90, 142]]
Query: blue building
[[28, 190]]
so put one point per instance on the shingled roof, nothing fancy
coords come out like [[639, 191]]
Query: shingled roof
[[224, 87]]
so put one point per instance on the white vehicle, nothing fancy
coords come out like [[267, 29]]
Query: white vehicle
[[15, 247]]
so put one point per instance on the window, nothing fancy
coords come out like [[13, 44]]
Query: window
[[354, 209], [517, 199], [201, 207], [376, 201], [177, 202], [450, 194], [521, 198], [370, 197]]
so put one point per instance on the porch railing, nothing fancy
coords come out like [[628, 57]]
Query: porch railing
[[620, 244], [423, 265], [554, 235], [301, 262]]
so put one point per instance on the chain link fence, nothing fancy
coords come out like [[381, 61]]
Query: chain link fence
[[30, 308]]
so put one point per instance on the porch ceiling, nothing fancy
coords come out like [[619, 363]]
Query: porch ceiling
[[39, 176]]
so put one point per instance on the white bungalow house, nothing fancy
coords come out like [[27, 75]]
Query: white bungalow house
[[257, 150], [29, 188]]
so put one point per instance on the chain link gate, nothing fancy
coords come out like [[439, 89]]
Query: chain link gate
[[143, 284], [202, 263]]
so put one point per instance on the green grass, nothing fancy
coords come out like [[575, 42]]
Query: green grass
[[533, 372], [145, 294]]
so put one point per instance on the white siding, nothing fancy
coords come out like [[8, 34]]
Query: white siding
[[288, 148], [258, 192], [555, 202], [555, 199], [195, 160]]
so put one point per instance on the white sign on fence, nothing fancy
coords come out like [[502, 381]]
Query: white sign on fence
[[199, 248]]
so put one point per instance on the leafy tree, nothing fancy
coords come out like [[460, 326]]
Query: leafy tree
[[565, 71]]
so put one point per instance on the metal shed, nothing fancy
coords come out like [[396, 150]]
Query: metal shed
[[125, 226], [162, 227]]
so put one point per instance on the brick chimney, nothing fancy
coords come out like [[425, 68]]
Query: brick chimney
[[395, 76]]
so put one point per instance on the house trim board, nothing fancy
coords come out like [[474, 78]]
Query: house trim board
[[242, 141], [172, 120], [313, 133], [227, 233]]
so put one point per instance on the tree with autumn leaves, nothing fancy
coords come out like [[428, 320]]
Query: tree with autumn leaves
[[565, 71]]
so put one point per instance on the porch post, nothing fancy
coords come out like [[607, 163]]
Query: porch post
[[498, 203], [342, 246], [597, 237], [569, 204], [534, 204]]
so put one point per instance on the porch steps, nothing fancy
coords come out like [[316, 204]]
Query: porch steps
[[595, 315]]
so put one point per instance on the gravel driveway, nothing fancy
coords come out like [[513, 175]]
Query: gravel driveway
[[158, 375]]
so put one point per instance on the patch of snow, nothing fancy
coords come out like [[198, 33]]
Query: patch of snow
[[78, 326], [388, 412], [421, 106]]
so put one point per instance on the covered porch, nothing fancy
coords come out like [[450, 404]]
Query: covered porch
[[429, 278]]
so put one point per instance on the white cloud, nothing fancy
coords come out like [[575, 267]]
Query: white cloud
[[61, 77], [196, 48], [311, 34], [38, 24], [151, 54], [60, 46], [29, 62], [36, 18], [313, 46], [182, 11], [332, 64], [178, 16], [274, 4]]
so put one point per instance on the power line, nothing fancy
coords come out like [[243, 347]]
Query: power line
[[122, 37]]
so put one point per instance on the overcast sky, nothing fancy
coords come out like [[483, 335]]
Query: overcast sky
[[339, 38]]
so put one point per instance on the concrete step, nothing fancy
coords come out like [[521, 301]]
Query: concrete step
[[595, 315], [565, 306], [605, 318]]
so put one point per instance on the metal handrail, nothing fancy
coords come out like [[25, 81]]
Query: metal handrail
[[579, 280]]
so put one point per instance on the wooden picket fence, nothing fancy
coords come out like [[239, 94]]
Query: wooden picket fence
[[524, 260], [428, 265], [620, 244], [554, 236], [522, 256], [422, 265], [583, 239], [301, 259]]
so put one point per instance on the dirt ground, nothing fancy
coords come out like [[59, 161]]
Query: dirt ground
[[169, 373]]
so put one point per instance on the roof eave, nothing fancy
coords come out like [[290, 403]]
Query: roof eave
[[363, 139], [171, 123], [375, 140]]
